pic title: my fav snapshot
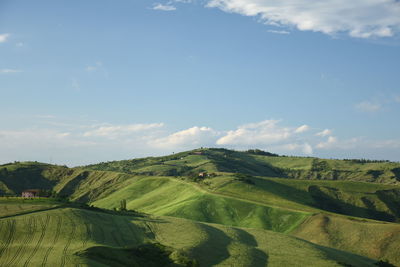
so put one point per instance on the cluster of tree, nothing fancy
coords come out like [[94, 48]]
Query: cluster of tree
[[261, 152], [245, 178], [362, 161]]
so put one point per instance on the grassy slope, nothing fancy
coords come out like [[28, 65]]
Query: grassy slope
[[294, 194], [59, 238], [166, 196], [223, 160], [372, 238], [16, 177], [272, 203]]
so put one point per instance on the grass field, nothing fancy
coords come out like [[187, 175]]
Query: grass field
[[167, 196], [345, 205], [71, 237]]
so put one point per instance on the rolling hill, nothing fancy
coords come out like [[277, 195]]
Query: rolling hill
[[351, 205], [69, 236]]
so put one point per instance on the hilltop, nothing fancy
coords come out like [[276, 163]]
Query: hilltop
[[324, 201]]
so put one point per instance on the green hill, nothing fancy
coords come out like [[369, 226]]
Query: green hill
[[258, 163], [342, 204], [75, 236]]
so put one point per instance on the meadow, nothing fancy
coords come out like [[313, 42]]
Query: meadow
[[248, 209], [75, 236]]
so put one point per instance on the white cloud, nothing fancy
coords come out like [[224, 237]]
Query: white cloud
[[261, 133], [304, 148], [192, 137], [324, 133], [367, 106], [302, 129], [114, 131], [4, 37], [9, 71], [162, 7], [329, 143], [358, 18], [307, 149], [279, 32]]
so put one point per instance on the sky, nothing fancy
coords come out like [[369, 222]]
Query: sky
[[97, 80]]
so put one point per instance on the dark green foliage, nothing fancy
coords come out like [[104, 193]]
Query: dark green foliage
[[384, 263], [396, 172], [245, 178], [363, 161], [149, 255], [122, 206], [320, 165], [261, 152]]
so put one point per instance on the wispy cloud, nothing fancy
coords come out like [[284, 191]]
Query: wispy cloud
[[367, 106], [358, 18], [302, 129], [192, 137], [4, 37], [167, 7], [97, 67], [261, 133], [83, 141], [324, 133], [114, 131], [329, 143], [94, 67], [279, 32], [9, 71]]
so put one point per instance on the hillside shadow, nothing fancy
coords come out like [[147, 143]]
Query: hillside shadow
[[214, 249], [315, 197], [284, 191], [326, 202], [258, 257]]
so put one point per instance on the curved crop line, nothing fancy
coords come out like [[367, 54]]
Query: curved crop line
[[71, 237], [27, 240], [56, 236], [87, 234], [39, 242], [8, 240]]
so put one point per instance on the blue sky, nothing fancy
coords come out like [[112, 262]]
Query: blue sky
[[90, 81]]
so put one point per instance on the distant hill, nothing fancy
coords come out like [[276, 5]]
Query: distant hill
[[320, 200], [258, 163]]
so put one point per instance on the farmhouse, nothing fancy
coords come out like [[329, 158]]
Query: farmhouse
[[203, 174], [31, 193]]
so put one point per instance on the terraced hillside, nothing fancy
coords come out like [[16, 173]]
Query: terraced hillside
[[74, 236]]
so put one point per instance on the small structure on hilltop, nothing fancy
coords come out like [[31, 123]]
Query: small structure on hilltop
[[203, 174], [31, 193]]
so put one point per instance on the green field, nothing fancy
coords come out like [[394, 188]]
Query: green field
[[250, 210], [71, 237]]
